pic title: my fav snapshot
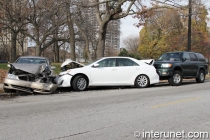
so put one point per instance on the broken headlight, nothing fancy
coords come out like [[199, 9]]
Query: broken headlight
[[12, 76]]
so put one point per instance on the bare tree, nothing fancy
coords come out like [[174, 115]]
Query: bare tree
[[131, 44], [12, 20], [43, 24], [22, 40], [105, 12]]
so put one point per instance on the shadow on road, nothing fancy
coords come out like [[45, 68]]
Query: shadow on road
[[69, 89], [161, 84]]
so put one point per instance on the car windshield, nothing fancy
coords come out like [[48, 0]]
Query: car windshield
[[31, 61], [171, 57]]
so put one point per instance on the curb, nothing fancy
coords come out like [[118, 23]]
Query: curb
[[1, 89]]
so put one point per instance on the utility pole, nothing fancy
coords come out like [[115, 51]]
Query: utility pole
[[189, 26]]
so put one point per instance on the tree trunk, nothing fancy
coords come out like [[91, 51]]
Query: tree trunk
[[56, 52], [38, 49], [71, 31], [87, 51], [13, 47], [101, 41], [54, 55], [72, 42]]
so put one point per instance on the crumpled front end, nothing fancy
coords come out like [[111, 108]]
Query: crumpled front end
[[38, 79], [29, 87]]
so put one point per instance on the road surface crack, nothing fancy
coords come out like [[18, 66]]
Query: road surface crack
[[81, 133]]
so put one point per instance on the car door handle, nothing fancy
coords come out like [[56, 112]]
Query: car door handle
[[114, 69], [137, 68]]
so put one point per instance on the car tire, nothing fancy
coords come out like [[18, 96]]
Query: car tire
[[201, 77], [142, 81], [80, 83], [175, 79]]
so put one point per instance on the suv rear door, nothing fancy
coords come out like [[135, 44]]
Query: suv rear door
[[194, 63], [186, 65]]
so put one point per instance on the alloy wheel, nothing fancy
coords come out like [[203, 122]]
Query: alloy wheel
[[81, 83], [176, 78], [142, 81]]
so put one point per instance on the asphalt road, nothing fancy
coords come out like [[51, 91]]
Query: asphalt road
[[113, 114]]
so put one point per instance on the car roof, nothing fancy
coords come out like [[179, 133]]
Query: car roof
[[117, 57], [181, 52], [32, 57]]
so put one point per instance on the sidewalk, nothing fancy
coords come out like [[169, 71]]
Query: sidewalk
[[1, 88]]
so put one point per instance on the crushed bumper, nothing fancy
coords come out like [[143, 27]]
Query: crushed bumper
[[30, 87], [64, 80]]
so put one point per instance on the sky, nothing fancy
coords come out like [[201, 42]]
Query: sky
[[128, 29]]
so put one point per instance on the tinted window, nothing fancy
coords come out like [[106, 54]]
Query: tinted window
[[193, 57], [125, 62], [110, 62], [186, 55], [200, 57]]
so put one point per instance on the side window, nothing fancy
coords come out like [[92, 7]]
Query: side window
[[193, 57], [200, 57], [186, 55], [125, 62], [109, 62]]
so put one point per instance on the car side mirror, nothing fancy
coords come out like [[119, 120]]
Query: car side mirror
[[184, 59], [95, 65], [53, 67]]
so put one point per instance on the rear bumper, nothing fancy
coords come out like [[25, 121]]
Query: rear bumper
[[30, 87]]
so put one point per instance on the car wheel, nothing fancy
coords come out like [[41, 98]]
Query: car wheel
[[175, 79], [79, 83], [142, 81], [201, 77]]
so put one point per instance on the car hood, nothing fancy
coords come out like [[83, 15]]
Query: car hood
[[70, 64], [29, 68], [160, 62]]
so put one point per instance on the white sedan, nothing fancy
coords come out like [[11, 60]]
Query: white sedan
[[108, 71]]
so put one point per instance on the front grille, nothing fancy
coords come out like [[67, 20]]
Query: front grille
[[22, 88], [157, 66]]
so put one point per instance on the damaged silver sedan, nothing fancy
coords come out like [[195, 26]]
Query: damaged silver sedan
[[32, 75]]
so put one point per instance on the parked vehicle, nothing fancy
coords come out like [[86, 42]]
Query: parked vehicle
[[174, 66], [30, 74], [108, 71]]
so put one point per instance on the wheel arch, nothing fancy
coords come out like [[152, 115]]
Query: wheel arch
[[144, 75], [201, 68], [178, 68], [72, 79]]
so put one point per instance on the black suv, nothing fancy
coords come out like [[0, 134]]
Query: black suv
[[174, 66]]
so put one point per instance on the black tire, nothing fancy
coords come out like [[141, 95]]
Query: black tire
[[201, 77], [175, 79], [142, 81], [80, 83]]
